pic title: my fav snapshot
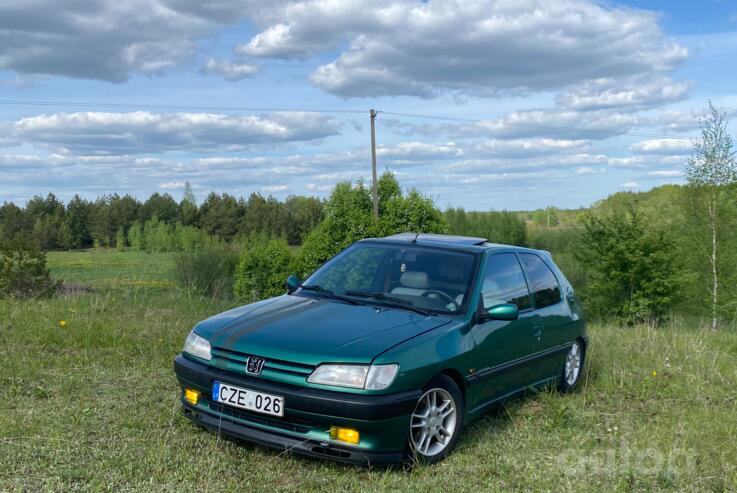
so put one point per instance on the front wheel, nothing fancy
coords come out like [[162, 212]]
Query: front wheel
[[436, 421], [572, 367]]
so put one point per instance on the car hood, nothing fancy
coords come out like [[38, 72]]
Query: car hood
[[314, 330]]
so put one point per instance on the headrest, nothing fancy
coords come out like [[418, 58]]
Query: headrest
[[415, 279]]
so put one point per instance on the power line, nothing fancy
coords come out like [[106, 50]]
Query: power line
[[261, 109], [540, 126], [255, 109]]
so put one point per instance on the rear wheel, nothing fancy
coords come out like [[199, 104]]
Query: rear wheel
[[572, 367], [436, 421]]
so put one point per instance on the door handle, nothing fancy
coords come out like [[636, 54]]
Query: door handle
[[537, 331]]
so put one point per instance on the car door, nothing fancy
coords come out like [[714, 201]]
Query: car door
[[554, 314], [501, 347]]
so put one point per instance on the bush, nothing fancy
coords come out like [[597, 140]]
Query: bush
[[318, 247], [349, 218], [23, 274], [632, 271], [208, 271], [263, 270]]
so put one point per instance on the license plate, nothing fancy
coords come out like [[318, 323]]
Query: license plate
[[248, 399]]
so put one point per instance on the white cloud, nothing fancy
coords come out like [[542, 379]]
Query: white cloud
[[111, 39], [275, 188], [600, 55], [588, 170], [636, 93], [524, 148], [663, 146], [626, 162], [553, 123], [419, 151], [144, 132], [666, 173], [631, 185], [556, 123], [479, 47], [172, 185], [230, 71], [313, 187], [676, 121], [679, 159]]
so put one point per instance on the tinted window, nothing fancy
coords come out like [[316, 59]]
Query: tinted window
[[504, 282], [543, 284]]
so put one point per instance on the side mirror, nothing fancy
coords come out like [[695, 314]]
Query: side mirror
[[504, 311], [292, 283]]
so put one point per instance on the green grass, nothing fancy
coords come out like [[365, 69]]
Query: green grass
[[107, 268], [94, 406]]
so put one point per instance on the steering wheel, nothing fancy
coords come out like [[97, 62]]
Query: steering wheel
[[441, 293]]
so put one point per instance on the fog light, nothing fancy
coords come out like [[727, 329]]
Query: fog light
[[346, 435], [191, 396]]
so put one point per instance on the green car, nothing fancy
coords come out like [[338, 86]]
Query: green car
[[387, 350]]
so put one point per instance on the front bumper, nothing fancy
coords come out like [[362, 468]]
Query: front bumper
[[382, 420]]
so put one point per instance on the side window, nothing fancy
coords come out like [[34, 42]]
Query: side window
[[504, 282], [543, 284]]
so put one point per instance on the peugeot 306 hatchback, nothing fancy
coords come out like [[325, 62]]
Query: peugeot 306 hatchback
[[387, 350]]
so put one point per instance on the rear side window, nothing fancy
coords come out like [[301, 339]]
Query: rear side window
[[543, 284], [504, 282]]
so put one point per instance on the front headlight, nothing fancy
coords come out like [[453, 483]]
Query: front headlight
[[197, 346], [381, 376], [374, 377]]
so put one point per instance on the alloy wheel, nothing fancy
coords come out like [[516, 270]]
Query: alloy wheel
[[434, 421], [573, 364]]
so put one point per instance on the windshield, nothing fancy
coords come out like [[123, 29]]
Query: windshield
[[405, 276]]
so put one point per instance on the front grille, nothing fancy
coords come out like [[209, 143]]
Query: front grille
[[278, 366], [292, 424]]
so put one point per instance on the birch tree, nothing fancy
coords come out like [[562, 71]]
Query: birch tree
[[710, 173]]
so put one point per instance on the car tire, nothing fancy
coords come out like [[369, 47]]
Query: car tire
[[436, 421], [572, 367]]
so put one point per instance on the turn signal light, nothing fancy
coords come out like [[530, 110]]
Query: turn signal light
[[346, 435], [191, 396]]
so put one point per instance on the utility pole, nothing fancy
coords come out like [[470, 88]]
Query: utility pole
[[374, 191]]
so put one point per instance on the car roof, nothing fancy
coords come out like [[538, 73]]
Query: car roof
[[461, 243]]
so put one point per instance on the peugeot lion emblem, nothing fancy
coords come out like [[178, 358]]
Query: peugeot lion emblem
[[255, 365]]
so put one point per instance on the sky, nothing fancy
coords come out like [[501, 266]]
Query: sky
[[483, 104]]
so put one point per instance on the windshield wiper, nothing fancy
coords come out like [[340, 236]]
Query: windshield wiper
[[329, 294], [390, 299]]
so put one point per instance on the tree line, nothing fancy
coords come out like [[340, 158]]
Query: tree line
[[159, 223]]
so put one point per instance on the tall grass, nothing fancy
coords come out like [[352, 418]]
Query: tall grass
[[208, 271]]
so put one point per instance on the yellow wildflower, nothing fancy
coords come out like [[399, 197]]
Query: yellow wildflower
[[62, 323]]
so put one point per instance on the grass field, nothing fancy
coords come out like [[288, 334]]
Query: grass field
[[93, 405]]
